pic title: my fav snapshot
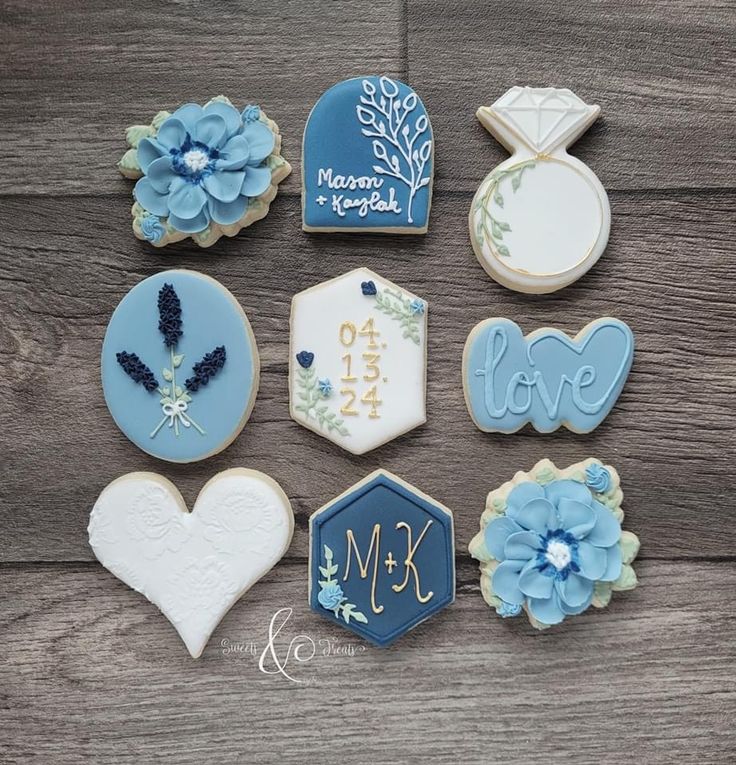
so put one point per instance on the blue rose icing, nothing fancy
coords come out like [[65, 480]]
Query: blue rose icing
[[597, 478], [331, 597], [152, 229]]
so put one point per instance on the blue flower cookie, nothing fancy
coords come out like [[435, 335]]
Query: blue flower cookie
[[551, 543], [202, 172], [180, 366]]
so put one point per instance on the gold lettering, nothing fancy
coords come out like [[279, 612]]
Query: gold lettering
[[409, 562], [375, 541]]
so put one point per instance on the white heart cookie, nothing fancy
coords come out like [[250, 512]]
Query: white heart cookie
[[193, 566]]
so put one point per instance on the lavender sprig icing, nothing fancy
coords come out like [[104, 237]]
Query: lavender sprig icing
[[137, 370], [207, 368], [169, 311]]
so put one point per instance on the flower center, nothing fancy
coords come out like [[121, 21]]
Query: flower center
[[558, 554], [196, 160]]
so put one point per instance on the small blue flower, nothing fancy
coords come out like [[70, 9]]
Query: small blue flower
[[325, 387], [152, 229], [305, 359], [417, 306], [251, 113], [368, 288], [508, 609], [597, 478], [330, 596]]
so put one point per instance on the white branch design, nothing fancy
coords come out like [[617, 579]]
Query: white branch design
[[385, 120]]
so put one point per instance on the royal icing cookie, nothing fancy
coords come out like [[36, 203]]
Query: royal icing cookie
[[540, 219], [202, 172], [357, 367], [180, 366], [546, 378], [368, 159], [381, 558], [551, 544], [193, 566]]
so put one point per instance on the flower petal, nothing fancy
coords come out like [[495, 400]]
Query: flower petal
[[186, 199], [533, 583], [260, 139], [573, 610], [227, 212], [505, 581], [257, 180], [521, 494], [234, 154], [592, 561], [607, 530], [149, 150], [211, 131], [537, 514], [496, 534], [172, 134], [574, 590], [191, 225], [161, 174], [224, 185], [546, 610], [521, 546], [614, 564], [575, 517], [230, 114], [189, 114], [567, 489], [148, 198]]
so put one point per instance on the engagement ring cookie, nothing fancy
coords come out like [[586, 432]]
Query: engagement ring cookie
[[357, 367], [180, 366], [381, 558], [551, 544], [368, 159], [546, 378], [540, 219], [193, 565], [202, 172]]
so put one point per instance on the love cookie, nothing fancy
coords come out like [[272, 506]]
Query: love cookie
[[357, 367], [180, 366], [192, 566], [546, 378], [551, 543], [202, 172], [540, 219], [381, 558], [368, 159]]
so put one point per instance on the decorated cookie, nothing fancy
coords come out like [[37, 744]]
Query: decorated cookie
[[381, 558], [368, 159], [357, 371], [546, 378], [180, 366], [202, 172], [540, 219], [551, 544], [193, 566]]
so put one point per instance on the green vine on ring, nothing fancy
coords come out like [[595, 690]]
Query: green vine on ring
[[331, 595], [401, 309], [313, 405], [489, 228]]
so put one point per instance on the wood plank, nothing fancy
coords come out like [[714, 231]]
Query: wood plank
[[69, 261], [92, 672], [75, 75], [663, 74]]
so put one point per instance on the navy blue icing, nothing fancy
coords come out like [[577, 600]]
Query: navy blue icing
[[386, 502]]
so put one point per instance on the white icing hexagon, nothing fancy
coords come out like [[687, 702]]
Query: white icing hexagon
[[358, 360]]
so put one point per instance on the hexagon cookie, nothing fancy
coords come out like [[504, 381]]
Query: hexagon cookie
[[381, 558], [358, 360]]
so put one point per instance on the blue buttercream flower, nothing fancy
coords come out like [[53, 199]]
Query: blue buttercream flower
[[325, 387], [416, 306], [508, 609], [251, 113], [597, 478], [305, 359], [203, 165], [330, 596], [368, 288], [152, 229], [554, 543]]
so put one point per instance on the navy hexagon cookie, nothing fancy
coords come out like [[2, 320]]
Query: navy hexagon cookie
[[381, 558]]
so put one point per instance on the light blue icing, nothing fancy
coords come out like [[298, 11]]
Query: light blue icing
[[597, 478], [210, 318], [367, 157], [546, 379], [152, 228]]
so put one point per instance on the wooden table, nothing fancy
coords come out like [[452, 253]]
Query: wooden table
[[90, 671]]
